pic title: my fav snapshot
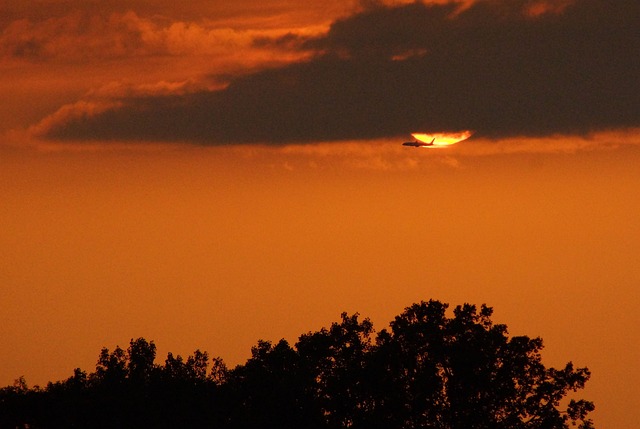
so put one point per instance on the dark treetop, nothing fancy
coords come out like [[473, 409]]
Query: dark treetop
[[427, 370]]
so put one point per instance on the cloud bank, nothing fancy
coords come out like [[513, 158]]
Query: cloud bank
[[82, 37], [503, 68]]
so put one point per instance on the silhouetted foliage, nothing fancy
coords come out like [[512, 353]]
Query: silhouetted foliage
[[427, 370]]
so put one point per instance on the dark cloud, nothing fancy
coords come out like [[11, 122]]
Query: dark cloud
[[502, 68]]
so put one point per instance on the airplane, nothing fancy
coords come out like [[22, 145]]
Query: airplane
[[419, 144]]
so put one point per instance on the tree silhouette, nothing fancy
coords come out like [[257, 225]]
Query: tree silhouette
[[426, 370], [465, 372], [337, 359], [140, 357]]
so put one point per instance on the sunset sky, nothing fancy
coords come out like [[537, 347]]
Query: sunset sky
[[208, 174]]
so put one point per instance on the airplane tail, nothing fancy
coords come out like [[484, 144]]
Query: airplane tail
[[434, 139]]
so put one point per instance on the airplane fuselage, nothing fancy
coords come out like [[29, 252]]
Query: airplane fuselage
[[419, 143]]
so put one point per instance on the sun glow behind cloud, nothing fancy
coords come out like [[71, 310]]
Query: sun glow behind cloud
[[442, 139]]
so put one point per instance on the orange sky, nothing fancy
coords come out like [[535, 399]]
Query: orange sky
[[214, 246]]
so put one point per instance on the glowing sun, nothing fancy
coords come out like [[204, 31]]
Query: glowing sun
[[442, 139]]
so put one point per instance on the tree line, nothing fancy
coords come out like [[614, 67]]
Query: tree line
[[427, 370]]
